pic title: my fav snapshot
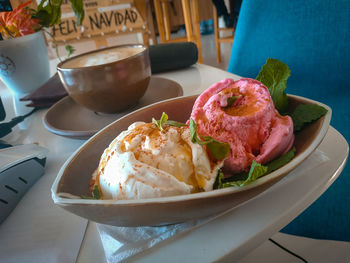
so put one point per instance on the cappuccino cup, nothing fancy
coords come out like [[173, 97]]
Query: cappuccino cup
[[108, 80]]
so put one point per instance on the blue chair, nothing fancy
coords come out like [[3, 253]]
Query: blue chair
[[313, 39]]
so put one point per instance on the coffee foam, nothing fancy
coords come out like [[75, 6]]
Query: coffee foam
[[103, 57]]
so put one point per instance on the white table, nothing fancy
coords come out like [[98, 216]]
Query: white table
[[228, 238]]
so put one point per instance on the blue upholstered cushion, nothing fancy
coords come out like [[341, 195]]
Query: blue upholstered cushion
[[313, 38]]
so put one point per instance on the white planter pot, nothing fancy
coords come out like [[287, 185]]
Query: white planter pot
[[24, 63]]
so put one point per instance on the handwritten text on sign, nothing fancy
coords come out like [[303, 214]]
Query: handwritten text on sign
[[96, 22]]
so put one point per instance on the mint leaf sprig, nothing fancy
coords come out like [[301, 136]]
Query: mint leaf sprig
[[231, 100], [160, 122], [175, 123], [305, 114], [274, 75], [95, 194], [256, 171], [218, 149], [165, 121]]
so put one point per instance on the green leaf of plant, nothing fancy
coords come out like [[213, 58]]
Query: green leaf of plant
[[78, 9], [279, 162], [44, 17], [274, 75], [70, 50], [305, 114], [49, 12]]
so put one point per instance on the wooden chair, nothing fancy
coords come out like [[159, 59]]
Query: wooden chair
[[191, 17], [218, 38]]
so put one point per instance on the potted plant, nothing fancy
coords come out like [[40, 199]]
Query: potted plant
[[24, 62]]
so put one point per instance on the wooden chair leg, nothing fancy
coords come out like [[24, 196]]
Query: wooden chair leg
[[196, 28], [187, 18], [143, 6], [150, 23], [159, 18], [217, 35], [191, 17], [167, 27]]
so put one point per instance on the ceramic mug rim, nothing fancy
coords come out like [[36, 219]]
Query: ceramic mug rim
[[59, 65]]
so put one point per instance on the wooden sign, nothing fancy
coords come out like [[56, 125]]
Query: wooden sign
[[101, 17]]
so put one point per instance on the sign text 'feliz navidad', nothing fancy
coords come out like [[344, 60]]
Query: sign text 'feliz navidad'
[[107, 19]]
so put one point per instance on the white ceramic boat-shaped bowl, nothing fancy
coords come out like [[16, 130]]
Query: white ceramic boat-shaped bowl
[[75, 174]]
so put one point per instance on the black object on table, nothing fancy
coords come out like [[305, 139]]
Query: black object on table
[[6, 128], [172, 56]]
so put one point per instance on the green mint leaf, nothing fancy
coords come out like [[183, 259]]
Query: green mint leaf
[[96, 193], [219, 180], [204, 140], [175, 123], [231, 100], [274, 75], [193, 131], [305, 114], [70, 50], [280, 161], [231, 184], [163, 120], [219, 150], [256, 171], [194, 136], [154, 121]]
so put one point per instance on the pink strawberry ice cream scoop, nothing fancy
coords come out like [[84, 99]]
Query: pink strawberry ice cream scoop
[[242, 114]]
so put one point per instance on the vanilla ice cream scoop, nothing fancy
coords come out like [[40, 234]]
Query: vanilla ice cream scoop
[[145, 162]]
